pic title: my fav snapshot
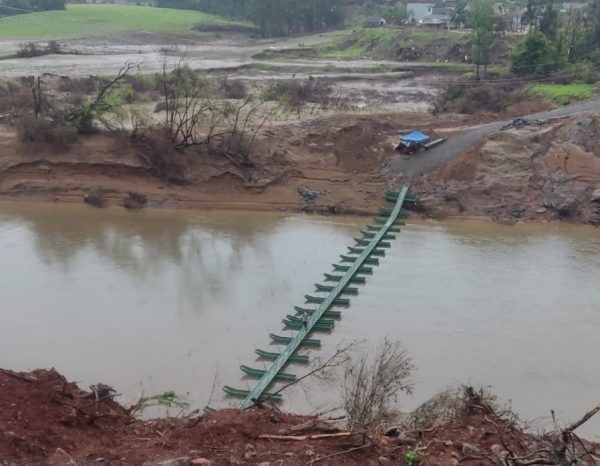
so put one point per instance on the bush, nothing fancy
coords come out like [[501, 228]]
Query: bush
[[370, 387], [29, 50], [581, 71], [21, 6], [155, 147], [41, 131], [233, 89], [477, 98], [53, 48], [32, 49], [535, 55], [294, 93], [142, 83], [14, 97], [77, 85]]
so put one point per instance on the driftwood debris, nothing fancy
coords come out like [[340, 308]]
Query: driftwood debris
[[301, 438], [313, 424]]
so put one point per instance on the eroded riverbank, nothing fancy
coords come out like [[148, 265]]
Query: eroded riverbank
[[48, 420], [334, 165]]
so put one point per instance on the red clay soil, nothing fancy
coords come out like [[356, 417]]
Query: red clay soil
[[45, 420]]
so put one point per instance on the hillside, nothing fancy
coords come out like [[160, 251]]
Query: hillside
[[549, 171], [406, 43], [97, 20]]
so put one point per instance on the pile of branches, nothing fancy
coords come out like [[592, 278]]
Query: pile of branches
[[559, 447]]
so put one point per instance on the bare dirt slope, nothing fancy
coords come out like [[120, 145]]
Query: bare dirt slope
[[465, 138], [538, 172], [46, 420], [339, 159], [335, 164]]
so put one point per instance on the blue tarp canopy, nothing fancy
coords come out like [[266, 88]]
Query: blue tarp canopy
[[415, 137]]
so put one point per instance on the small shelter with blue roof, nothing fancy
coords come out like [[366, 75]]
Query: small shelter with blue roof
[[412, 142]]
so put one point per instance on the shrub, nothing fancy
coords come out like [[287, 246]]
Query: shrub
[[142, 83], [371, 386], [77, 85], [295, 93], [535, 55], [41, 131], [233, 89], [155, 147], [14, 96], [31, 49], [28, 50], [581, 72], [53, 48], [477, 98]]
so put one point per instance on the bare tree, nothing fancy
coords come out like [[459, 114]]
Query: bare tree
[[370, 387], [102, 103], [38, 97], [193, 118], [325, 369], [185, 105]]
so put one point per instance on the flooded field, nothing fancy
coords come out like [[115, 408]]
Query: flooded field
[[157, 301], [366, 83]]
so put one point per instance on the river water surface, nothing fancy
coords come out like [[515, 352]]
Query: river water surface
[[156, 301]]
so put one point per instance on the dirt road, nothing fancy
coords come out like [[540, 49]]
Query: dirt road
[[456, 145]]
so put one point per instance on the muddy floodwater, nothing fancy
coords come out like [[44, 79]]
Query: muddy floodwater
[[155, 301]]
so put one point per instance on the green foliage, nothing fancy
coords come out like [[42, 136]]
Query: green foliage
[[480, 98], [549, 21], [386, 42], [17, 7], [535, 55], [288, 17], [126, 94], [533, 12], [183, 78], [412, 457], [273, 17], [563, 93], [594, 22], [460, 14], [168, 399], [107, 104], [582, 71], [483, 21]]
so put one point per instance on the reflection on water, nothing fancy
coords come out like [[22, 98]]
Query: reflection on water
[[172, 300]]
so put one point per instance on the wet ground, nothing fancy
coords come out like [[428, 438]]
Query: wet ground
[[366, 83]]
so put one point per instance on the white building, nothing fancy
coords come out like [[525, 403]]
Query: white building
[[417, 11]]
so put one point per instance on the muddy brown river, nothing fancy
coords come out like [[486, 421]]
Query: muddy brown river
[[156, 301]]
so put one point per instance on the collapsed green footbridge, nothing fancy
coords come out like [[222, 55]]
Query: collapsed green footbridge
[[339, 287]]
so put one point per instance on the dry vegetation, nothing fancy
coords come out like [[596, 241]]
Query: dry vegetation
[[47, 420], [370, 386]]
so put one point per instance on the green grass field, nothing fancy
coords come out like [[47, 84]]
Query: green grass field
[[95, 20], [563, 93], [384, 42]]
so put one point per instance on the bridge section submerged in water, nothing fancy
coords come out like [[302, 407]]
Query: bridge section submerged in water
[[359, 261]]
